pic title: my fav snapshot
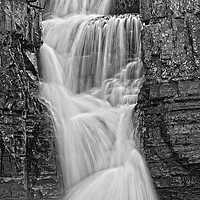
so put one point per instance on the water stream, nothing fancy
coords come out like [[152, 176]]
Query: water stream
[[91, 77]]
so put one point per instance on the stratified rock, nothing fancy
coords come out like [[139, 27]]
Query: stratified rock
[[124, 6], [169, 102], [28, 161], [155, 9]]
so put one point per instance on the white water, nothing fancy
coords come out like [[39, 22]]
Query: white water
[[91, 77]]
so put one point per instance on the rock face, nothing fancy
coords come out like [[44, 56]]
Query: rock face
[[28, 162], [169, 102], [125, 6]]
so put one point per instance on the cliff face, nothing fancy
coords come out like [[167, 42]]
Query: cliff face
[[169, 102], [28, 165], [124, 6]]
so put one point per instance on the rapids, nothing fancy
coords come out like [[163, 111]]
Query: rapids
[[91, 77]]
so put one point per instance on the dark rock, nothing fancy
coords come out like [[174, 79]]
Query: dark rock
[[168, 107], [163, 9], [29, 166], [125, 6]]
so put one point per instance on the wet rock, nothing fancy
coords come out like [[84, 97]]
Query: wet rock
[[134, 70], [124, 6], [163, 9], [169, 100], [28, 158]]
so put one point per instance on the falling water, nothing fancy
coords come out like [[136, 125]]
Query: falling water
[[91, 77]]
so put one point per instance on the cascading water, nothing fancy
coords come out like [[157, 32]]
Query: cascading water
[[91, 77]]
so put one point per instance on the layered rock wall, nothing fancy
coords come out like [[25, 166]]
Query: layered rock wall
[[28, 164], [169, 102], [124, 6]]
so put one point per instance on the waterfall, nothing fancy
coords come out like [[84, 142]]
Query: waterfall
[[91, 77]]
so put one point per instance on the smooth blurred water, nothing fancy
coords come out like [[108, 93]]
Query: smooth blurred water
[[91, 77]]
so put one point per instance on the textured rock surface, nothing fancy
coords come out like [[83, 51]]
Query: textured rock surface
[[28, 165], [169, 102], [125, 6]]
